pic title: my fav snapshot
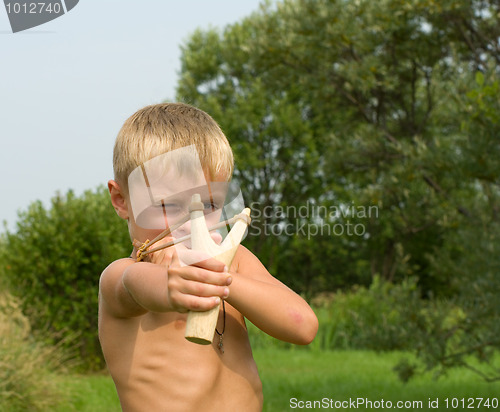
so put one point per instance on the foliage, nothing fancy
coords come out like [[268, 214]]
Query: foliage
[[54, 259], [371, 318], [375, 318], [392, 104], [26, 365], [332, 107], [393, 317], [472, 252], [365, 111]]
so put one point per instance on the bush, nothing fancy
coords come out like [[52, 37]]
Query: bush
[[25, 364], [388, 317], [374, 318], [381, 317], [54, 260]]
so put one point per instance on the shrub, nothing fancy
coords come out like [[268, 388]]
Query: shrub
[[374, 318], [380, 317], [53, 261], [25, 364]]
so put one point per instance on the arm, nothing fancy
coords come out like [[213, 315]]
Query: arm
[[268, 303], [132, 288]]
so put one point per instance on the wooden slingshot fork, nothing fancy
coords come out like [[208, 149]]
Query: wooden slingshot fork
[[200, 326]]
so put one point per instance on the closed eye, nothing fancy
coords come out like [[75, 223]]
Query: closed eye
[[209, 206], [170, 208]]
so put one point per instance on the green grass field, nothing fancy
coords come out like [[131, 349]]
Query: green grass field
[[313, 376], [346, 375]]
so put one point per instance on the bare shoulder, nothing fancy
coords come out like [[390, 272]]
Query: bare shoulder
[[112, 293], [113, 273]]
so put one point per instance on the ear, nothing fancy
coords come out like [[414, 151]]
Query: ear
[[118, 199]]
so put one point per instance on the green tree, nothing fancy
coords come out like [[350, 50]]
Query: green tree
[[349, 102], [355, 102], [471, 253], [53, 261]]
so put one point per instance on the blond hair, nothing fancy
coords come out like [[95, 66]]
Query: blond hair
[[160, 128]]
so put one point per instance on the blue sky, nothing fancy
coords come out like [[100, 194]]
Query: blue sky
[[67, 86]]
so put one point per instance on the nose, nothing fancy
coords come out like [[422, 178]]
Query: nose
[[217, 237], [185, 229]]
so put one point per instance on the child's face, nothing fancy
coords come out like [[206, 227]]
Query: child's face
[[165, 202], [161, 190]]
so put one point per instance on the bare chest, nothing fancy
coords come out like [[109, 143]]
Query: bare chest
[[153, 364]]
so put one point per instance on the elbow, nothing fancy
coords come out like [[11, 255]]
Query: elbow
[[311, 330], [306, 329]]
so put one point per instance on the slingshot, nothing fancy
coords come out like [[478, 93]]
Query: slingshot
[[200, 326]]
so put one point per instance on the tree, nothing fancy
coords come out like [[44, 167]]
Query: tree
[[471, 253], [334, 103], [53, 262], [349, 114]]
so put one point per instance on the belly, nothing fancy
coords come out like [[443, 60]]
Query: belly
[[166, 372]]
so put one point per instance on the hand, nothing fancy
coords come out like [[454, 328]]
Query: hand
[[162, 256], [198, 287]]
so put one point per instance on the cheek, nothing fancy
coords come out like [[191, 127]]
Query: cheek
[[213, 218]]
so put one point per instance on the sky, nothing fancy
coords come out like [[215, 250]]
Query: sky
[[67, 86]]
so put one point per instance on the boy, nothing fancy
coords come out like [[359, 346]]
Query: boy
[[143, 305]]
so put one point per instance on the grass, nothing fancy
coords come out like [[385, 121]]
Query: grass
[[90, 393], [308, 376], [342, 375], [25, 362]]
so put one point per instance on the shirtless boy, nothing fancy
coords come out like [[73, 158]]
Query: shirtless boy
[[143, 305]]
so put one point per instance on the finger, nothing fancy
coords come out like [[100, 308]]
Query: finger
[[199, 304], [204, 289], [196, 274], [212, 264]]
